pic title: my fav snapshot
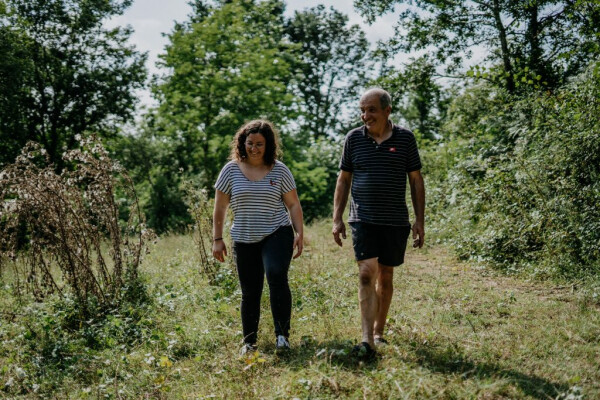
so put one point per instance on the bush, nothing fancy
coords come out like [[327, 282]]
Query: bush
[[157, 176], [200, 208], [315, 167], [531, 203], [74, 242]]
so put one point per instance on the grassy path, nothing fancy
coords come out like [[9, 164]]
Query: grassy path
[[455, 333]]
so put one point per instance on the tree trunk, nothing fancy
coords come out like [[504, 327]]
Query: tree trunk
[[535, 52], [510, 80]]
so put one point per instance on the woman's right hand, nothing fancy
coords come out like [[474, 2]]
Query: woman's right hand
[[219, 250]]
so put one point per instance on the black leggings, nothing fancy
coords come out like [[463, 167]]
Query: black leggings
[[271, 255]]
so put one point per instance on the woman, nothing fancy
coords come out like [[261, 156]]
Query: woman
[[259, 188]]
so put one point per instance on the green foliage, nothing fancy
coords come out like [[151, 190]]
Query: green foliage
[[165, 205], [474, 134], [523, 79], [63, 74], [419, 101], [58, 345], [157, 179], [315, 165], [524, 39], [229, 64], [331, 63], [531, 205]]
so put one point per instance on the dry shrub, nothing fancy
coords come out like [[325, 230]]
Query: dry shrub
[[200, 207], [64, 228]]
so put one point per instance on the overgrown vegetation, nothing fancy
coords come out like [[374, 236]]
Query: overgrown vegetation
[[453, 331], [511, 155], [201, 208], [62, 233], [521, 189]]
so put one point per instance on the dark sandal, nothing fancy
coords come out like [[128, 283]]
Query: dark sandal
[[380, 340], [364, 351]]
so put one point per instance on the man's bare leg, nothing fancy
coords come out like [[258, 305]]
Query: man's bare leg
[[385, 290], [367, 297]]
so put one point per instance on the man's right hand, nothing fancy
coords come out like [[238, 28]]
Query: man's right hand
[[339, 228]]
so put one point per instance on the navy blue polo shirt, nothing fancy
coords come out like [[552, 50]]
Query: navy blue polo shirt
[[379, 175]]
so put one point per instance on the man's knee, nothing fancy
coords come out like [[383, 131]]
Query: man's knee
[[366, 279], [367, 272], [386, 277]]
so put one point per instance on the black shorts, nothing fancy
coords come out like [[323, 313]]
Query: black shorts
[[385, 242]]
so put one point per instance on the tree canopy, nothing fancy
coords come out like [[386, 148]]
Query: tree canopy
[[527, 42], [228, 65], [62, 73], [332, 64], [509, 151], [420, 102]]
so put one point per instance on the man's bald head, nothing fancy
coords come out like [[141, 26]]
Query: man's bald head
[[385, 100]]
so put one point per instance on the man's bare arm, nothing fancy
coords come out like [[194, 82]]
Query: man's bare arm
[[340, 199], [417, 194]]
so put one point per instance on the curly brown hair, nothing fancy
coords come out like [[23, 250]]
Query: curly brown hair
[[265, 128]]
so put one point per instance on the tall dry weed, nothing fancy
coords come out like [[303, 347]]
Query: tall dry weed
[[63, 229], [200, 207]]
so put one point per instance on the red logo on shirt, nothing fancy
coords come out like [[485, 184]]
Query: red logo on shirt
[[272, 182], [392, 149]]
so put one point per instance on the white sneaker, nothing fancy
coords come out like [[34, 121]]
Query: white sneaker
[[282, 343], [247, 348]]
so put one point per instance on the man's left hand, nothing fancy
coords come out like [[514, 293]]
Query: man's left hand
[[418, 234]]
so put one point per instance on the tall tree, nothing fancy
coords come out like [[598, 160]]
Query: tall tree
[[529, 42], [332, 63], [62, 73], [228, 64], [419, 100]]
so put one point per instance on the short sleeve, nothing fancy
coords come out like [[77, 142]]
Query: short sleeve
[[287, 180], [412, 155], [346, 161], [223, 183]]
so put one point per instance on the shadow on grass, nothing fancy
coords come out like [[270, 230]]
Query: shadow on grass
[[452, 361], [334, 352], [435, 358]]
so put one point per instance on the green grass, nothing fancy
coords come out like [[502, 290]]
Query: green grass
[[455, 332]]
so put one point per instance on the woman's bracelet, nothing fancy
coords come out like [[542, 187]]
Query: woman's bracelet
[[217, 239]]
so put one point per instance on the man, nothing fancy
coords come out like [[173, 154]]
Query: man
[[376, 161]]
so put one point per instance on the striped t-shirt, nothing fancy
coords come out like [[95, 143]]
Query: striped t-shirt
[[379, 174], [258, 208]]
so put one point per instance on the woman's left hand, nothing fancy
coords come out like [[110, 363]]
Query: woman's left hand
[[293, 205], [298, 245]]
